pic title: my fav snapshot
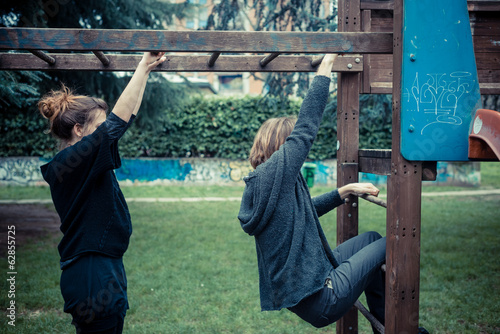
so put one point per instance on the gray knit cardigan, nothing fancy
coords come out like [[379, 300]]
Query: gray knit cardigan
[[294, 257]]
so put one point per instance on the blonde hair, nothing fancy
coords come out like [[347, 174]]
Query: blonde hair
[[64, 110], [271, 135]]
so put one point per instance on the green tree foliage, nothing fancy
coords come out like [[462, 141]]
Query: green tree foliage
[[276, 15], [17, 88], [98, 14], [22, 132]]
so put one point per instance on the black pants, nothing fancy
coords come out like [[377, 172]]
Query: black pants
[[94, 289], [96, 327]]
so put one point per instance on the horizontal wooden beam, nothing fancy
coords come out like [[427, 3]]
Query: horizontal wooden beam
[[483, 6], [472, 5], [377, 4], [174, 63], [193, 41], [379, 162], [375, 161]]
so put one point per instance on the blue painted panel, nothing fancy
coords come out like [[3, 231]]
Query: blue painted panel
[[440, 90]]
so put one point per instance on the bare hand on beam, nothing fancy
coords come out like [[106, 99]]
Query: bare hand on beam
[[358, 189]]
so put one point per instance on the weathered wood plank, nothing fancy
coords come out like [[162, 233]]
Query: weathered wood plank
[[490, 88], [486, 43], [379, 162], [381, 88], [489, 76], [482, 5], [379, 166], [485, 23], [381, 21], [473, 5], [174, 63], [375, 153], [375, 161], [193, 41], [377, 4]]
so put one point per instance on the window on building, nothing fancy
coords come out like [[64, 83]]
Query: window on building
[[230, 84]]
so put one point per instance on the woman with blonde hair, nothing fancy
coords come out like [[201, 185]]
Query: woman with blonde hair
[[297, 268], [95, 220]]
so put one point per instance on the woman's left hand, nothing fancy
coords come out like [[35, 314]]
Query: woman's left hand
[[358, 189]]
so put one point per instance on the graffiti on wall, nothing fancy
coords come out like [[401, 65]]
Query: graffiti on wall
[[326, 172], [21, 171], [26, 171], [458, 174]]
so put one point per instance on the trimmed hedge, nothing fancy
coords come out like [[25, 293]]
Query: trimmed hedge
[[204, 127]]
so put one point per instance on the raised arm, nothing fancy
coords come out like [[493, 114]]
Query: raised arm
[[299, 142], [130, 100]]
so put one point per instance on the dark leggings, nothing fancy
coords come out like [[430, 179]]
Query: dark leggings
[[359, 271], [109, 325]]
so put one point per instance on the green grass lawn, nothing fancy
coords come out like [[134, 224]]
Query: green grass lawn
[[191, 269]]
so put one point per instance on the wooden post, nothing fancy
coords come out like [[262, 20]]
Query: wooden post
[[348, 143], [403, 214]]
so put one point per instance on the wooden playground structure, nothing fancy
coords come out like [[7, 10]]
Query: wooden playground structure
[[371, 39]]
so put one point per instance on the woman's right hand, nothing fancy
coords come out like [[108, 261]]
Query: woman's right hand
[[153, 59], [325, 68], [329, 58]]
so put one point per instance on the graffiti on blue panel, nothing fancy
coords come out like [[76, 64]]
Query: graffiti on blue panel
[[439, 96]]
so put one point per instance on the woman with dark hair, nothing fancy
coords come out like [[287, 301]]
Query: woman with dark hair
[[95, 220], [297, 268]]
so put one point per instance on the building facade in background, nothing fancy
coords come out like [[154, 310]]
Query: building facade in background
[[227, 83]]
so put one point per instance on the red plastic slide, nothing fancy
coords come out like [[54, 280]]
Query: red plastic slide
[[484, 139]]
